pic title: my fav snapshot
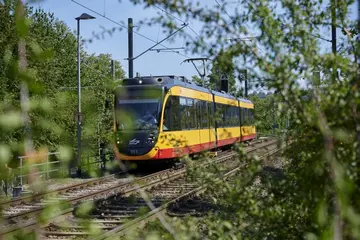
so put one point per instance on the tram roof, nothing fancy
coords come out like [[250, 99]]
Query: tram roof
[[172, 80]]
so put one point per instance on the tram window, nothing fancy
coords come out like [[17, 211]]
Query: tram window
[[218, 116], [183, 112], [237, 116], [246, 117], [249, 117], [211, 118], [172, 118], [197, 112], [230, 120], [227, 117], [190, 116], [233, 116], [204, 114], [225, 111], [252, 119], [230, 116], [220, 110], [169, 108], [242, 116], [223, 115]]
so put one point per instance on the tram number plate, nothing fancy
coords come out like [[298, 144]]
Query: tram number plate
[[134, 151]]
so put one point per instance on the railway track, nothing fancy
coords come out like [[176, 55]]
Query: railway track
[[105, 188], [170, 195]]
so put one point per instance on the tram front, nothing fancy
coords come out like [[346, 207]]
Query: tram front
[[137, 119]]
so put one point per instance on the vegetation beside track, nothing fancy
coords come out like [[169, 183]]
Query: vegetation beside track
[[317, 198]]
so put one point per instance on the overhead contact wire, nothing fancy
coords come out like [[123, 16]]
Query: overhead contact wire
[[122, 25]]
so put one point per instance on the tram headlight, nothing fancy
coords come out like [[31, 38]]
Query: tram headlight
[[151, 139]]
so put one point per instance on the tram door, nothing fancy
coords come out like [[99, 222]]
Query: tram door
[[202, 119]]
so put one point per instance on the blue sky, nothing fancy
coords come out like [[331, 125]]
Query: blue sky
[[150, 63]]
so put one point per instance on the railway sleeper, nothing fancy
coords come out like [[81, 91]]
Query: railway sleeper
[[119, 217], [97, 220], [119, 207], [79, 227], [110, 211]]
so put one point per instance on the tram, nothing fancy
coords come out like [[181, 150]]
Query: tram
[[167, 117]]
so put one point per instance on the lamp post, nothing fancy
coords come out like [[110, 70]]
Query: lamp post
[[83, 16]]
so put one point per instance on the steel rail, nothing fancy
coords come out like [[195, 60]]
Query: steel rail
[[125, 188], [37, 196], [162, 209], [59, 190]]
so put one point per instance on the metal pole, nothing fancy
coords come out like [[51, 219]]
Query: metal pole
[[113, 68], [47, 168], [274, 115], [244, 73], [246, 83], [333, 26], [333, 36], [79, 102], [130, 47], [98, 129], [21, 172]]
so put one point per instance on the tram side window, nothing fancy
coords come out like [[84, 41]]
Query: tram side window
[[251, 117], [235, 116], [246, 117], [197, 111], [204, 116], [183, 112], [219, 115], [172, 119], [242, 116], [190, 116], [227, 115], [211, 118], [238, 116]]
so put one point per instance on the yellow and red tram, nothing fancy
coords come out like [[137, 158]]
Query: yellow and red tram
[[166, 117]]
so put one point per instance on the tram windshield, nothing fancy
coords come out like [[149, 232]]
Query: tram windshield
[[138, 108], [137, 114]]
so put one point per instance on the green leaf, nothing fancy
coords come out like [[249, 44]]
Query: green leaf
[[322, 214], [5, 154], [10, 120], [65, 153]]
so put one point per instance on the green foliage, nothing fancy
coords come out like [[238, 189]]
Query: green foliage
[[316, 199], [51, 77], [314, 194]]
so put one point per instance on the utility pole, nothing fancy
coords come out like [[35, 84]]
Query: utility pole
[[130, 47], [244, 73], [246, 83], [274, 125], [83, 16], [333, 36], [113, 69], [333, 26]]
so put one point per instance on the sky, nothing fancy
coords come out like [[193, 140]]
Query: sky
[[151, 63]]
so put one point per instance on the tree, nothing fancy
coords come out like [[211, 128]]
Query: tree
[[51, 58], [317, 197]]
